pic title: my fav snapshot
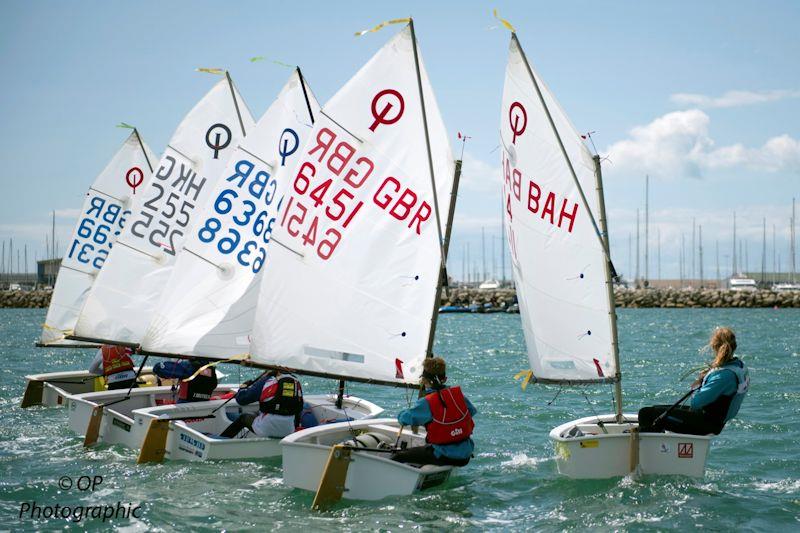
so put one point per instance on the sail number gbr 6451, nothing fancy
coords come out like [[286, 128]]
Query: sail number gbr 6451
[[325, 195]]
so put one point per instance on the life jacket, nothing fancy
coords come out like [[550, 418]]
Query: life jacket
[[198, 389], [727, 406], [116, 359], [451, 422], [282, 396]]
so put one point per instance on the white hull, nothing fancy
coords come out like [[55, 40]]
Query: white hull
[[197, 440], [117, 424], [58, 386], [599, 455], [371, 475]]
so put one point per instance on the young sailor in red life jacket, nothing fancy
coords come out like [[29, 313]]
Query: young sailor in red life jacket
[[447, 416], [115, 364], [198, 389], [280, 402]]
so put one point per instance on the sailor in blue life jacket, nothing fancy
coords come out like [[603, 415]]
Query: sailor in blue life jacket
[[114, 363], [280, 402], [718, 395], [197, 389], [447, 416]]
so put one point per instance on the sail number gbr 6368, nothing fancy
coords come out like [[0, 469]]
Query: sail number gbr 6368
[[321, 208]]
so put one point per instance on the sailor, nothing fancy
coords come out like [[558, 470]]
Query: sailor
[[280, 403], [114, 363], [197, 384], [716, 399], [447, 416]]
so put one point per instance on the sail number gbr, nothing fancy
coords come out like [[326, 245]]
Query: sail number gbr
[[93, 237], [324, 195], [243, 215]]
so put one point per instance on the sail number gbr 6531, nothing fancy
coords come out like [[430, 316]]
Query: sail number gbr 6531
[[325, 195]]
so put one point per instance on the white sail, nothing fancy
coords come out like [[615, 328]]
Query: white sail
[[557, 256], [120, 304], [355, 256], [208, 306], [103, 215]]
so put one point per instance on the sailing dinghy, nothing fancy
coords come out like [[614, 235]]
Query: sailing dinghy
[[558, 237], [107, 205], [355, 276], [208, 307], [120, 304]]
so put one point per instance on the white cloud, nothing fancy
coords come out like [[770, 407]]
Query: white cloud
[[679, 143], [732, 98], [478, 175]]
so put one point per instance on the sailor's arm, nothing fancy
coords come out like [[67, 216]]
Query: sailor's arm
[[717, 384], [96, 366], [419, 415]]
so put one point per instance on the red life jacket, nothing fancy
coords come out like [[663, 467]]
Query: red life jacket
[[282, 396], [116, 359], [200, 388], [451, 422]]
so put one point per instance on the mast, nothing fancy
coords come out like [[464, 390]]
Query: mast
[[774, 251], [612, 312], [442, 244], [483, 253], [764, 251], [792, 247], [700, 253], [502, 245], [719, 279], [647, 230], [683, 259], [733, 271], [636, 278]]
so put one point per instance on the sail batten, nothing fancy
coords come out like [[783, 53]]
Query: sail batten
[[558, 255]]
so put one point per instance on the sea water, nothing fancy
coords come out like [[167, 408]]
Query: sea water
[[752, 480]]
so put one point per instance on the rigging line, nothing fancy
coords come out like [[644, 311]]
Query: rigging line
[[75, 270], [560, 388], [600, 423], [305, 94], [204, 259], [181, 154], [106, 194], [273, 239], [271, 167], [137, 250], [235, 102], [144, 152], [356, 137]]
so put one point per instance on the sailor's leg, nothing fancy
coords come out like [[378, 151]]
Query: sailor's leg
[[243, 421]]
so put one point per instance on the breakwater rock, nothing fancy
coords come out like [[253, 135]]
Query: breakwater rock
[[676, 298], [504, 298], [25, 299], [671, 298]]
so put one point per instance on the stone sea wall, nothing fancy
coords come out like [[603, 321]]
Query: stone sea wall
[[503, 298]]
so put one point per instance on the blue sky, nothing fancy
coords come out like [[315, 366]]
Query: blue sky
[[705, 97]]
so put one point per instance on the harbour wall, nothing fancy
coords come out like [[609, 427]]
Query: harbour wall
[[504, 298], [671, 298]]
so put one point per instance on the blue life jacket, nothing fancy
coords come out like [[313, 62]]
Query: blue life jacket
[[727, 406]]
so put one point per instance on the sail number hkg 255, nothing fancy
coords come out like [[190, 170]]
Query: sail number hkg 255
[[166, 214], [244, 217]]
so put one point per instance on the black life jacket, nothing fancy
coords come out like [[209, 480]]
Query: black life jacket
[[717, 411], [282, 396], [200, 388]]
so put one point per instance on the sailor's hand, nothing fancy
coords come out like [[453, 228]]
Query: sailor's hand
[[246, 384]]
